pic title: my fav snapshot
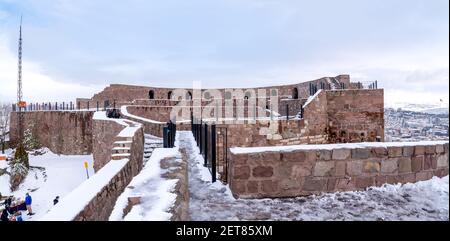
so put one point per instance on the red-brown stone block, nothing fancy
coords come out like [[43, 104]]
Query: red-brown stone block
[[360, 153], [379, 152], [417, 163], [389, 166], [240, 159], [440, 149], [340, 168], [430, 149], [323, 155], [371, 167], [298, 156], [404, 165], [262, 171], [442, 160], [354, 168], [408, 151], [341, 154], [324, 168], [238, 187], [252, 186], [395, 151], [241, 172], [363, 182], [269, 186], [314, 184], [419, 150]]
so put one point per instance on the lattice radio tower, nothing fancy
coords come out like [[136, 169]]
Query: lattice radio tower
[[20, 103]]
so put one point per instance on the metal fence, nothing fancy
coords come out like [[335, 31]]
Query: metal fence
[[205, 137], [65, 106]]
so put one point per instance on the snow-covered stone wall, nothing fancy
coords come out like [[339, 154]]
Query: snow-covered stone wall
[[289, 171], [63, 132], [94, 199]]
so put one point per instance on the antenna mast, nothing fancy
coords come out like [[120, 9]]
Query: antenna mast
[[20, 102]]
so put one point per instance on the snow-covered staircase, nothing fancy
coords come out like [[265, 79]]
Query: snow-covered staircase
[[121, 148], [151, 142]]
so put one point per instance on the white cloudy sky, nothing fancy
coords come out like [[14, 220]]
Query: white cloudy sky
[[74, 48]]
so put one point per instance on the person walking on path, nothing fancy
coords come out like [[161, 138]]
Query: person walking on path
[[56, 200], [28, 201]]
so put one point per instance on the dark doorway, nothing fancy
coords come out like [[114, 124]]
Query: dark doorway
[[295, 93], [169, 95], [151, 94]]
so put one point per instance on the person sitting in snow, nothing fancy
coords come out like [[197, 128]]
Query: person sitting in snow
[[18, 216], [5, 215], [28, 201]]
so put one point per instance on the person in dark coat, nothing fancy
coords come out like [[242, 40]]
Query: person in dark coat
[[56, 200], [5, 215]]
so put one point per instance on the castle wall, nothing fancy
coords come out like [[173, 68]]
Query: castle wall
[[63, 132], [355, 115], [312, 169]]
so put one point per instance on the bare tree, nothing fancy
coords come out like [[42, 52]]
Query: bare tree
[[5, 113]]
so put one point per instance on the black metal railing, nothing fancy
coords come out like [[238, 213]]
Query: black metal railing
[[63, 106], [169, 132], [205, 138]]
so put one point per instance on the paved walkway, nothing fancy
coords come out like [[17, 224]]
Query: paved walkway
[[427, 200]]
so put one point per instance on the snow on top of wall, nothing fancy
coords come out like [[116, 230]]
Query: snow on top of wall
[[155, 191], [72, 204], [311, 98], [246, 150], [128, 131], [124, 111], [101, 115]]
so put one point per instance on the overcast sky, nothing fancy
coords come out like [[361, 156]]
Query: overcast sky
[[75, 48]]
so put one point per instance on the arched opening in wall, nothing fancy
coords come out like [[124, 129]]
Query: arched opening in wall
[[228, 95], [151, 94], [295, 93], [247, 95], [169, 95], [207, 95], [188, 95]]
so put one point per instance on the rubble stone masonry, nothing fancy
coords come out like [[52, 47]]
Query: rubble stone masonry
[[290, 172], [63, 132]]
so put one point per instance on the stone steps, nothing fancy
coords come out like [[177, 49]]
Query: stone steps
[[120, 156], [151, 142]]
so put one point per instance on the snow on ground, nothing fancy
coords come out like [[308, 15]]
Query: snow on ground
[[72, 204], [426, 200], [155, 192], [61, 175]]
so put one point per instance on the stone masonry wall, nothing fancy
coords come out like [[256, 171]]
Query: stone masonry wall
[[100, 208], [104, 133], [129, 93], [355, 115], [294, 172], [63, 132]]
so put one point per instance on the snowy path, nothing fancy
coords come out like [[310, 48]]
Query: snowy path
[[428, 200], [153, 190]]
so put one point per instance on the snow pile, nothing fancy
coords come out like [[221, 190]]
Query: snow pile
[[72, 204], [426, 200], [244, 150], [130, 126], [124, 111], [311, 98], [50, 175], [155, 192]]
